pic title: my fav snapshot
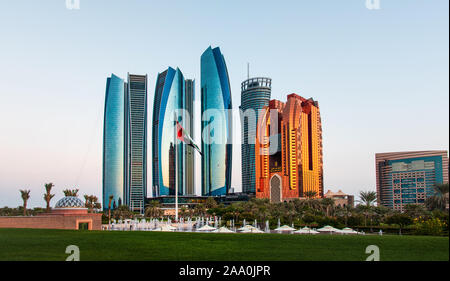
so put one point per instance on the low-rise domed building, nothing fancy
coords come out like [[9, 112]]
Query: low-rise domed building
[[69, 213]]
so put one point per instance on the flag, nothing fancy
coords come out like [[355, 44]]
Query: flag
[[184, 137]]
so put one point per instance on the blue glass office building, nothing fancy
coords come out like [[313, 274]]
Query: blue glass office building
[[171, 98], [114, 150], [255, 95], [216, 124], [136, 142]]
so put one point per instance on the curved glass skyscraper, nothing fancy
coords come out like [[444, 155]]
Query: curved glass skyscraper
[[216, 124], [255, 95], [114, 150], [125, 142], [172, 95]]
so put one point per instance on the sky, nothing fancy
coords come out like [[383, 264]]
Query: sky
[[380, 76]]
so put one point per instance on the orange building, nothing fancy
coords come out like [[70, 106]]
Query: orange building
[[288, 148]]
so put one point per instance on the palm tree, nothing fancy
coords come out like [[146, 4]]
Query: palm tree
[[310, 194], [368, 198], [153, 209], [48, 196], [92, 203], [328, 204], [111, 197], [122, 212], [440, 198], [70, 192], [25, 196]]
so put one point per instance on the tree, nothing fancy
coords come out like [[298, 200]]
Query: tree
[[368, 198], [328, 205], [25, 196], [310, 194], [122, 212], [210, 203], [91, 202], [153, 209], [415, 210], [439, 201], [401, 220], [71, 192], [111, 197], [48, 196]]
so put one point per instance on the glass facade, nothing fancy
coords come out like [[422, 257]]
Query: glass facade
[[255, 95], [216, 124], [403, 180], [136, 142], [114, 142], [169, 154]]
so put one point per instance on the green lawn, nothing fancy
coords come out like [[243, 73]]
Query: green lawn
[[39, 244]]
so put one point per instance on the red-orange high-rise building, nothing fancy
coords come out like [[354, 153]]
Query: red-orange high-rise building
[[288, 148]]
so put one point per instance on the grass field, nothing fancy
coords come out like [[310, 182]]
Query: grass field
[[39, 244]]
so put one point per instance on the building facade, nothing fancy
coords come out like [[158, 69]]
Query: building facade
[[340, 198], [288, 150], [255, 95], [173, 99], [216, 124], [409, 177], [114, 149], [136, 142]]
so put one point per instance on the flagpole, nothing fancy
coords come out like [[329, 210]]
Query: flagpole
[[176, 167]]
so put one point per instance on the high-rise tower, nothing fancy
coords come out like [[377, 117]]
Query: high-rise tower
[[288, 151], [173, 96], [216, 124], [136, 127], [114, 150], [255, 95]]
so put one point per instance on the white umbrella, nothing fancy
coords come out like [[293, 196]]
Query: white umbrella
[[206, 228], [285, 228], [348, 230], [305, 230], [246, 227], [223, 229], [327, 228], [252, 230]]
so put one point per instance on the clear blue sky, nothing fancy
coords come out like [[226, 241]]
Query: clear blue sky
[[380, 76]]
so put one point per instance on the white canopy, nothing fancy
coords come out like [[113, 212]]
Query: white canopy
[[252, 230], [327, 228], [246, 227], [223, 229], [206, 228], [348, 230], [285, 228], [306, 230]]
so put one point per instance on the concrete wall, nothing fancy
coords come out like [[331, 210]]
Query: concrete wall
[[53, 221]]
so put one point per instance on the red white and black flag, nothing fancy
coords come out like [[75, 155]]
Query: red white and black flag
[[184, 137]]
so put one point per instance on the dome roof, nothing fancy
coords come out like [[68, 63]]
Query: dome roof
[[70, 202]]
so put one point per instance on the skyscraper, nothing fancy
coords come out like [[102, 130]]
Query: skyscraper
[[173, 96], [189, 157], [255, 95], [136, 126], [409, 177], [216, 124], [114, 150], [288, 150]]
